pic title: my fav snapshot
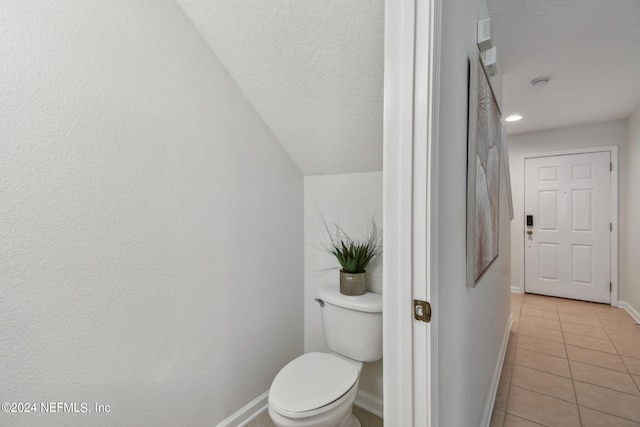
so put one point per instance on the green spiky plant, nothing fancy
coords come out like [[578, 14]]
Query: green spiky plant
[[353, 255]]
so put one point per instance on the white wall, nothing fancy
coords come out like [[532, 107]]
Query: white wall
[[151, 230], [350, 200], [472, 322], [584, 136], [630, 268]]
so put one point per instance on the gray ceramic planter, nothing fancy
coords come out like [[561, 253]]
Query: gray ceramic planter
[[353, 284]]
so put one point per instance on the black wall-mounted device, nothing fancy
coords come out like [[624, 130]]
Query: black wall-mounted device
[[529, 220]]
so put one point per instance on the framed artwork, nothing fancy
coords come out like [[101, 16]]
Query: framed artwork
[[483, 173]]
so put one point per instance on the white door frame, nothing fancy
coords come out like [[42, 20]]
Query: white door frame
[[613, 150], [411, 83]]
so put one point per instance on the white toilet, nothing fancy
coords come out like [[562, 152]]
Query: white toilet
[[318, 389]]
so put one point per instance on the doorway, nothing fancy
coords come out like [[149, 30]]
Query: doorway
[[570, 212]]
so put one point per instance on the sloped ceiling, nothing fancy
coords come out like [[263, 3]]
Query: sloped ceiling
[[312, 69], [589, 48]]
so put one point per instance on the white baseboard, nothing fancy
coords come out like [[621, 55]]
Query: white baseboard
[[247, 412], [495, 381], [516, 290], [369, 403], [629, 308]]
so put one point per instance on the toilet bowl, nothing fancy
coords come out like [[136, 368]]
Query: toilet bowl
[[318, 389], [315, 390]]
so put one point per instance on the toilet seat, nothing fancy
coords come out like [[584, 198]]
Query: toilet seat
[[310, 382]]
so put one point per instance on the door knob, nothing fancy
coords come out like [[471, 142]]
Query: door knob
[[529, 232]]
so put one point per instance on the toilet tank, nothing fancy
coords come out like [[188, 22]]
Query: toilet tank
[[352, 324]]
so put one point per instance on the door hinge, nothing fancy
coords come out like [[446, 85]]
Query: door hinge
[[610, 166], [422, 310], [610, 287], [610, 226]]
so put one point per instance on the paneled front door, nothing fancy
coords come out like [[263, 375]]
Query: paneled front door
[[567, 226]]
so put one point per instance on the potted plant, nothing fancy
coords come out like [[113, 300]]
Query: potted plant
[[353, 255]]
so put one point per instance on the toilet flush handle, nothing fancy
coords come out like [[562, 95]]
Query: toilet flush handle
[[319, 301]]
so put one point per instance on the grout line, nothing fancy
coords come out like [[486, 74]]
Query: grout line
[[589, 311], [606, 413], [522, 417], [541, 394], [545, 372], [573, 386], [607, 388]]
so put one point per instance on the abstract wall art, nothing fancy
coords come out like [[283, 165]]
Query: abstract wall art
[[483, 173]]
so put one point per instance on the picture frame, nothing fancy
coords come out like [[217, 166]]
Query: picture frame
[[483, 173]]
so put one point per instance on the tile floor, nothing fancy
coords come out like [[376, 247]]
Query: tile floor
[[367, 419], [569, 363]]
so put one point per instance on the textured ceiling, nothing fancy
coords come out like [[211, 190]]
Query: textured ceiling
[[312, 69], [589, 48]]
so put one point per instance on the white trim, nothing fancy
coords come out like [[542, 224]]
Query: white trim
[[397, 212], [433, 113], [369, 403], [632, 311], [613, 149], [495, 381], [247, 413], [410, 119], [516, 290]]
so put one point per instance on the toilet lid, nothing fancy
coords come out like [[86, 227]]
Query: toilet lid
[[312, 381]]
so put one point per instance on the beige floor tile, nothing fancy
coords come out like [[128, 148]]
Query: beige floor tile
[[589, 342], [544, 383], [510, 354], [615, 380], [598, 358], [633, 365], [542, 346], [535, 312], [367, 419], [539, 321], [507, 369], [501, 396], [513, 338], [511, 420], [619, 325], [591, 418], [497, 418], [616, 316], [628, 348], [581, 320], [542, 409], [542, 362], [590, 331], [540, 305], [576, 309], [607, 309], [262, 420], [540, 332], [610, 401], [540, 298], [636, 379], [624, 336]]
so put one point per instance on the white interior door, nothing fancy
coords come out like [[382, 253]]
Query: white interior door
[[567, 248]]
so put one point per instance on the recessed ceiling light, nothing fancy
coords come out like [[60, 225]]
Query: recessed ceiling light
[[540, 81], [513, 118]]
